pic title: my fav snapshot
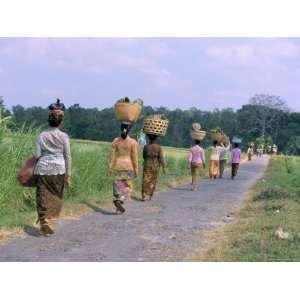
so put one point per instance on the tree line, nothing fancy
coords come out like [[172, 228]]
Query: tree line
[[265, 118]]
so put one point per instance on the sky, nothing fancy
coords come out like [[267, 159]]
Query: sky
[[206, 73]]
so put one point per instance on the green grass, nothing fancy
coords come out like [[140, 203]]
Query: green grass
[[89, 175], [274, 203]]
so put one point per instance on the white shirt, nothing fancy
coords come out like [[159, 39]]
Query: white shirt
[[53, 153]]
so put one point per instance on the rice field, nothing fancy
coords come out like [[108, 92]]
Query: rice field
[[89, 176]]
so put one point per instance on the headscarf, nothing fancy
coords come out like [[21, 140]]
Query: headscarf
[[57, 109]]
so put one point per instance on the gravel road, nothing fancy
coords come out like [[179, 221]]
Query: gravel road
[[165, 229]]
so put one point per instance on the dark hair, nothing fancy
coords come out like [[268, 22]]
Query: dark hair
[[125, 129], [236, 145], [197, 142], [215, 143], [152, 137], [54, 120]]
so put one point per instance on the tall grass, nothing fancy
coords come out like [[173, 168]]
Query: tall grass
[[89, 175]]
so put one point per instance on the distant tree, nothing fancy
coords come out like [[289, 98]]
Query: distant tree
[[262, 117], [293, 146]]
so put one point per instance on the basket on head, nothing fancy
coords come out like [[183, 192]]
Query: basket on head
[[216, 136], [198, 134], [127, 112], [225, 140], [236, 140], [156, 125]]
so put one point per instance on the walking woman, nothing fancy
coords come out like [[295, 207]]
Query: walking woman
[[123, 166], [223, 159], [235, 160], [250, 152], [153, 161], [53, 168], [214, 160], [196, 162]]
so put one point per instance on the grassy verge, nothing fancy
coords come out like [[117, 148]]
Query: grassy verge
[[90, 181], [272, 204]]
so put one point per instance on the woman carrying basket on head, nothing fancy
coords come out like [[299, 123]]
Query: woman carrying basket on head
[[196, 156], [124, 155], [53, 168], [154, 126], [214, 161], [196, 162]]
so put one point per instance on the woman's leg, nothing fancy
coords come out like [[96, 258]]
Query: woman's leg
[[49, 198], [118, 193]]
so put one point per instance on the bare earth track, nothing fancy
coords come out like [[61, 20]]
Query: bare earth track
[[165, 229]]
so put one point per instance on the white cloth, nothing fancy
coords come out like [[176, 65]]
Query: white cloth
[[224, 153], [215, 152], [53, 153]]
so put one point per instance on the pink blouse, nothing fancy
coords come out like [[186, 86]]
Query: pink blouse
[[197, 155], [236, 155]]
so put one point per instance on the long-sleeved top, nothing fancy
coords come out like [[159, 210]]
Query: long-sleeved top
[[124, 154], [236, 155], [196, 155], [224, 152], [53, 153]]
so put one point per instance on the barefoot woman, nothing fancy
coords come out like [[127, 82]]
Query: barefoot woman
[[153, 160], [53, 168]]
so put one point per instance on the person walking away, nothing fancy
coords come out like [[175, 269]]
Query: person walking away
[[250, 153], [53, 168], [123, 166], [223, 159], [214, 160], [274, 150], [196, 161], [235, 160], [153, 161]]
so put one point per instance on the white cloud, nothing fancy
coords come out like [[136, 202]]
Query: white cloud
[[254, 53]]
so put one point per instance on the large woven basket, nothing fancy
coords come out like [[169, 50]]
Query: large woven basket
[[155, 126], [127, 112], [198, 135], [216, 136], [225, 140]]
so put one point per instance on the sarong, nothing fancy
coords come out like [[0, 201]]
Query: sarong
[[213, 168], [234, 169], [150, 175], [122, 185], [196, 170], [222, 167], [49, 195]]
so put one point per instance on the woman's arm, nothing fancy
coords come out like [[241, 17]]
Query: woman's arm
[[161, 160], [135, 157], [38, 150], [202, 155]]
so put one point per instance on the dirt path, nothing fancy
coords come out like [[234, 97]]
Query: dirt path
[[165, 229]]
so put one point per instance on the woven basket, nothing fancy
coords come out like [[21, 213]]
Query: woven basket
[[198, 135], [155, 126], [127, 112], [225, 140], [216, 136]]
